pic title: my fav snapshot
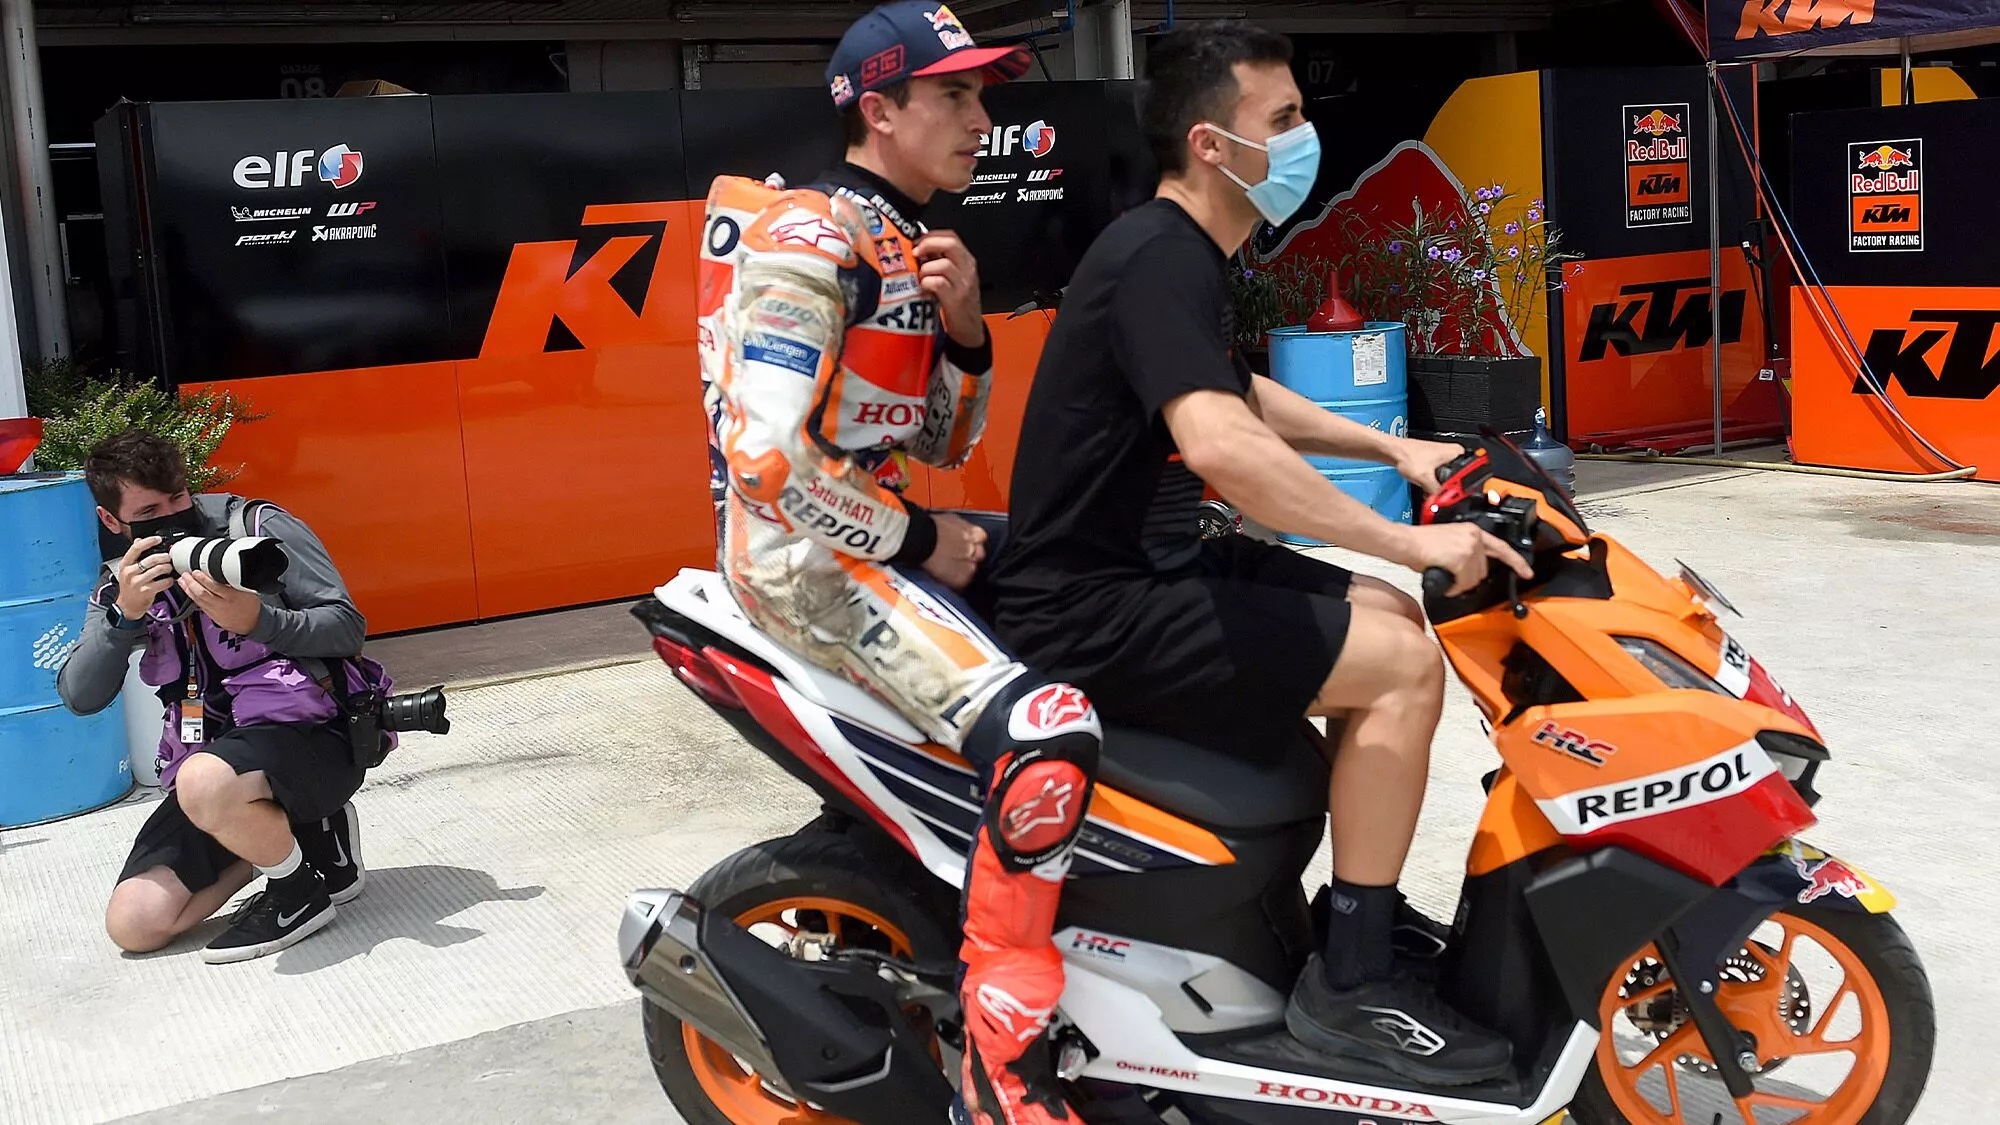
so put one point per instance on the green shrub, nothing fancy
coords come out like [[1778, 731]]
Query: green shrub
[[79, 410]]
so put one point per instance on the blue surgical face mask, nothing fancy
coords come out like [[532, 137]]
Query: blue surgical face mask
[[1294, 165]]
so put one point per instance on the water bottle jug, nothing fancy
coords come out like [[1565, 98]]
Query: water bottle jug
[[1553, 456]]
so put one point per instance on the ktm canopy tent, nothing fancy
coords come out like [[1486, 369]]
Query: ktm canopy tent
[[1742, 32]]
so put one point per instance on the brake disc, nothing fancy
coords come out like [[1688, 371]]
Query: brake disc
[[1662, 1015]]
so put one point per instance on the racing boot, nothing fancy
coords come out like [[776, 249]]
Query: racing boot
[[1011, 973]]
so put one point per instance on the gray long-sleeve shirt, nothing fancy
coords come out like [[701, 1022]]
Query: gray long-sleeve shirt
[[311, 616]]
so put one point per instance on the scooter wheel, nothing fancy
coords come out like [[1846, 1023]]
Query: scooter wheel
[[814, 882], [1812, 983]]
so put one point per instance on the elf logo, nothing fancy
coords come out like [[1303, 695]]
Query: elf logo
[[540, 291], [339, 166], [1787, 17], [1968, 369], [1669, 323]]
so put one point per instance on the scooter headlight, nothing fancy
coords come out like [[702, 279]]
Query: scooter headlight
[[1667, 664]]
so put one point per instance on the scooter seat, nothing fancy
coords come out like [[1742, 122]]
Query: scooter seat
[[1217, 789]]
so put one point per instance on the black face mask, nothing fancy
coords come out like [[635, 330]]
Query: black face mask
[[169, 527]]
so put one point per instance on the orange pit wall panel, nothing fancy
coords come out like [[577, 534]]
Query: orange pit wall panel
[[517, 482]]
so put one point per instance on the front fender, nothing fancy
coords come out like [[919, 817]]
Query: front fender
[[1796, 873]]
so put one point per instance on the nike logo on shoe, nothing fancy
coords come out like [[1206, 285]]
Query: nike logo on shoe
[[288, 919], [340, 854]]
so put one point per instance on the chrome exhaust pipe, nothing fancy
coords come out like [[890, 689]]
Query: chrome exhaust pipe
[[659, 944]]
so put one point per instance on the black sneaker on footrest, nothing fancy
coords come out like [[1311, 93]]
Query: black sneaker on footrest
[[1399, 1024]]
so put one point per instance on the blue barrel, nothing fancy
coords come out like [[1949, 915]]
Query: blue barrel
[[1359, 375], [52, 763]]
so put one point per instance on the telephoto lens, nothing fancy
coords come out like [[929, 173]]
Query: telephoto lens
[[254, 565], [417, 710]]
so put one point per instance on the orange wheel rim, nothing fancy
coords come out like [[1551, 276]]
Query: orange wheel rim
[[1758, 1007], [741, 1094]]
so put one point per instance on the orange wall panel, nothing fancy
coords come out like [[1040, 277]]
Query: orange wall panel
[[371, 460], [981, 483], [1933, 350]]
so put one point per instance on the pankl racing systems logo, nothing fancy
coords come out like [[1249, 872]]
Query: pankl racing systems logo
[[1656, 165], [1037, 139], [1885, 195]]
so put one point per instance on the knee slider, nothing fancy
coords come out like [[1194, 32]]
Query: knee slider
[[1041, 795]]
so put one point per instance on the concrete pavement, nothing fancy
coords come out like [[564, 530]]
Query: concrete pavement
[[476, 978]]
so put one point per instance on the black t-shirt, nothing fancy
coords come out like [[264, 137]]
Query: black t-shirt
[[1101, 502]]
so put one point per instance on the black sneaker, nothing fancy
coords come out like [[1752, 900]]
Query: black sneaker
[[277, 917], [1417, 936], [333, 846], [1396, 1023]]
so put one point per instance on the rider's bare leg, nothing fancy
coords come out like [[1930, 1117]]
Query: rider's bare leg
[[1388, 687]]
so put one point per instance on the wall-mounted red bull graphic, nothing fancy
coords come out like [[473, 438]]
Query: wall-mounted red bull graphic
[[1906, 311], [1658, 191], [1614, 158], [1885, 196]]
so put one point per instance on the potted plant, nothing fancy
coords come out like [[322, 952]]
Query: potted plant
[[1463, 283], [78, 410], [1272, 295]]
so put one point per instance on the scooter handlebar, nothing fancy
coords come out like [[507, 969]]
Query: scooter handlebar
[[1437, 581]]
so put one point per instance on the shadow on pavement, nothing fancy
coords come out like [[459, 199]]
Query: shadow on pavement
[[401, 902]]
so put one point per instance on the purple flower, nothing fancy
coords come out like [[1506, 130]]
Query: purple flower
[[1396, 247], [1249, 273], [1479, 275], [1453, 255], [1434, 253], [1513, 251], [1538, 203], [1513, 228], [1484, 193], [1486, 208], [1497, 190], [1395, 287], [1534, 213]]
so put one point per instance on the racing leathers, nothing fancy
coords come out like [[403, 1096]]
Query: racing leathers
[[826, 367]]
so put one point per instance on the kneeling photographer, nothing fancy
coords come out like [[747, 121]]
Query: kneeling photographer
[[272, 715]]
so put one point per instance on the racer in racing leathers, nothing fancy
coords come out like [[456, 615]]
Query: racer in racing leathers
[[838, 337]]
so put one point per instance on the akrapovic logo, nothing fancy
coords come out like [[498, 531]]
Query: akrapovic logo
[[343, 234], [275, 238], [1037, 195]]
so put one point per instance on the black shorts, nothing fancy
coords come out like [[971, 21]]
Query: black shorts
[[1229, 654], [311, 772]]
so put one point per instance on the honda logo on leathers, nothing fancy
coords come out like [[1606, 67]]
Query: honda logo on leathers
[[1665, 327], [1969, 369]]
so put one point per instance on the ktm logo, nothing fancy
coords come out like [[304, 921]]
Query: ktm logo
[[1969, 370], [1660, 183], [1665, 326], [540, 290], [1786, 17], [1886, 213]]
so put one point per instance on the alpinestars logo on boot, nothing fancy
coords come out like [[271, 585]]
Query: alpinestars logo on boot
[[1885, 196]]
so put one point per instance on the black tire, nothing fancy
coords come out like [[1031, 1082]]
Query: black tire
[[811, 863], [1885, 951]]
